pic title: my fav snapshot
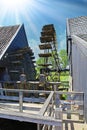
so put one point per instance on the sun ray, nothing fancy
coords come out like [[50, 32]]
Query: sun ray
[[33, 13], [13, 5]]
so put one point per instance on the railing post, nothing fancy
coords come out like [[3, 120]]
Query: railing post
[[59, 115], [81, 115], [56, 96], [38, 127], [21, 101], [1, 91]]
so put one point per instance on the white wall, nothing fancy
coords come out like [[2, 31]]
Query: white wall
[[79, 68]]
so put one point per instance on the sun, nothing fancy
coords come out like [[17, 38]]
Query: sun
[[13, 5]]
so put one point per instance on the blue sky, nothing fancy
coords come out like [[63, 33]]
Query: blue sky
[[36, 13]]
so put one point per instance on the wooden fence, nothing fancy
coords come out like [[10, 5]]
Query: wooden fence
[[53, 106]]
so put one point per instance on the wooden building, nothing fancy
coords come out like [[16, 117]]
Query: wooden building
[[16, 56], [77, 53]]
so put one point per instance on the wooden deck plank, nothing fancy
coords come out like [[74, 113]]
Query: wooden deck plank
[[21, 116]]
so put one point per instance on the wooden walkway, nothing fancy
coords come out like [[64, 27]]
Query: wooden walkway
[[42, 110]]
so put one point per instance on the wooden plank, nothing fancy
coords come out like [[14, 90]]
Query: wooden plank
[[32, 99], [77, 112], [58, 115], [45, 55], [24, 90], [54, 83], [26, 99], [72, 102], [14, 106], [69, 93], [13, 98], [78, 102], [47, 39], [21, 101], [9, 105], [73, 121], [34, 82], [38, 127], [45, 46], [29, 118], [44, 108], [44, 127], [45, 65]]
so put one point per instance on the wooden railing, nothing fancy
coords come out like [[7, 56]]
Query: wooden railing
[[19, 96], [54, 105], [45, 117], [72, 103]]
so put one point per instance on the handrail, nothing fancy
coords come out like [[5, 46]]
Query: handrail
[[20, 98], [45, 106], [25, 90], [69, 92]]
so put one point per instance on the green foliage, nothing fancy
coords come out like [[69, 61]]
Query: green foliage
[[63, 58], [52, 61], [63, 96], [64, 76], [53, 76], [39, 61]]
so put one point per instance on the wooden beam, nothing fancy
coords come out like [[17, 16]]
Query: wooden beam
[[29, 117], [69, 93], [21, 101], [58, 115], [26, 99], [24, 90], [45, 55], [73, 121], [44, 108], [45, 46]]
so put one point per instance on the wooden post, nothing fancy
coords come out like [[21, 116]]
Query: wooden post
[[21, 101], [57, 99], [59, 115], [38, 127], [81, 117], [1, 91], [69, 107], [81, 107]]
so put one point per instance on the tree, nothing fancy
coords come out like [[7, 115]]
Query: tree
[[39, 61], [63, 58]]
